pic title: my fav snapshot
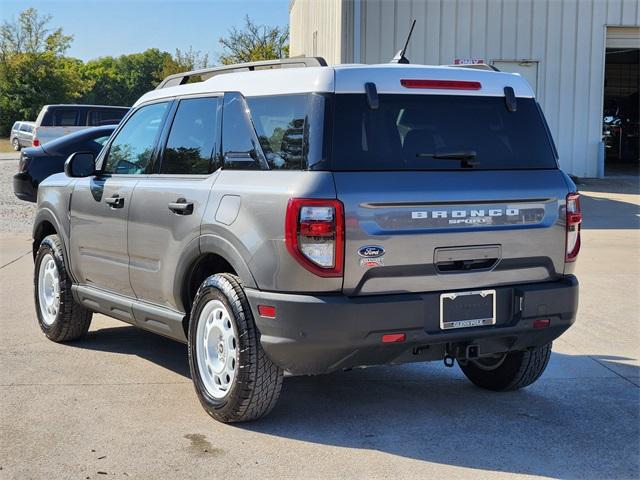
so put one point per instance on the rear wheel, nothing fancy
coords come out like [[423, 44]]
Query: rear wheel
[[60, 317], [509, 371], [16, 144], [234, 379]]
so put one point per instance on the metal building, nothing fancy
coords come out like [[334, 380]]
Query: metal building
[[580, 57]]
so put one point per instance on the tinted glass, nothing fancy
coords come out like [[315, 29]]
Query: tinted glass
[[131, 149], [280, 122], [77, 141], [65, 118], [240, 143], [408, 130], [105, 117], [191, 142]]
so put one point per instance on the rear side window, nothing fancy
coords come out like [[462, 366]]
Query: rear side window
[[65, 117], [240, 145], [438, 132], [131, 150], [100, 117], [280, 122], [191, 143]]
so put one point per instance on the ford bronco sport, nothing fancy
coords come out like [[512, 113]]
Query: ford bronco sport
[[313, 219]]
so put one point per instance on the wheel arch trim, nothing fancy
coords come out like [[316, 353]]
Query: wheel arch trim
[[220, 246], [199, 247], [47, 215]]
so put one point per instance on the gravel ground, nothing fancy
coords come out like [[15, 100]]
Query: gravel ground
[[15, 215]]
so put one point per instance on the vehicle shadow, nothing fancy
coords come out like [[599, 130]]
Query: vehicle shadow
[[580, 420], [129, 340]]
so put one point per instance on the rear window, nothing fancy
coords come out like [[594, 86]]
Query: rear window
[[438, 132]]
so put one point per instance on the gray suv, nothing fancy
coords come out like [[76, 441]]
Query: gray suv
[[21, 135], [293, 217]]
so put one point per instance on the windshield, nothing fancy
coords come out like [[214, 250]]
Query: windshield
[[438, 132]]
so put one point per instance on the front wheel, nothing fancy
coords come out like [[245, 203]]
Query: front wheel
[[60, 317], [233, 377], [16, 144], [509, 371]]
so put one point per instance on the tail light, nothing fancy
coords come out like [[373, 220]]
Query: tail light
[[35, 142], [574, 219], [314, 235]]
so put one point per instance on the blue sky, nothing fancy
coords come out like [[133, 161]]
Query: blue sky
[[116, 27]]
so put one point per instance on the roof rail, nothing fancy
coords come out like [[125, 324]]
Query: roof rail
[[207, 73]]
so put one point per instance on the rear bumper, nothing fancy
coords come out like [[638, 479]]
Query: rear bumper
[[23, 187], [320, 334]]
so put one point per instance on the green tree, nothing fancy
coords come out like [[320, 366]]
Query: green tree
[[33, 70], [184, 61], [29, 34], [254, 42], [122, 80]]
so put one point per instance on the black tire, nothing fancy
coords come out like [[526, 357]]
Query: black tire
[[517, 369], [15, 143], [258, 381], [72, 320]]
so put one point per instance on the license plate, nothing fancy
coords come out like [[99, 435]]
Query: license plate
[[467, 309]]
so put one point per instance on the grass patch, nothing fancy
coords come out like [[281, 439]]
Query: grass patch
[[5, 146]]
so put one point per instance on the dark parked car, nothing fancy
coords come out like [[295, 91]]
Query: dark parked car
[[37, 163]]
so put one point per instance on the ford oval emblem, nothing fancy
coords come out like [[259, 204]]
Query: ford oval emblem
[[371, 251]]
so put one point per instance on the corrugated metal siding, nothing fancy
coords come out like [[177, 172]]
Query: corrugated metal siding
[[322, 16], [566, 37]]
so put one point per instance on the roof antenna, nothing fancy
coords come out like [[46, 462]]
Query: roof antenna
[[400, 58]]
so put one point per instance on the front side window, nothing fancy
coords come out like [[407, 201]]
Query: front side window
[[132, 148], [282, 127], [191, 143]]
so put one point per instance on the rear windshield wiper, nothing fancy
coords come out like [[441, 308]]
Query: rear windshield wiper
[[464, 157]]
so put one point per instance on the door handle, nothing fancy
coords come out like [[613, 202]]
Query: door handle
[[181, 207], [115, 201]]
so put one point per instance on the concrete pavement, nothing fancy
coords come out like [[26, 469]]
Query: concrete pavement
[[9, 156], [119, 404]]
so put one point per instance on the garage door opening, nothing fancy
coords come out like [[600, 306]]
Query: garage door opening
[[621, 123]]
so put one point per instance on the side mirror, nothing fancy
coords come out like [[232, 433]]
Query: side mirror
[[80, 164]]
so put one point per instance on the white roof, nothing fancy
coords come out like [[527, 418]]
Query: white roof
[[348, 79]]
